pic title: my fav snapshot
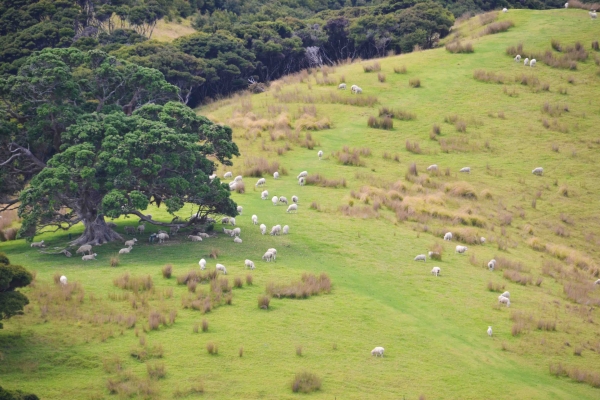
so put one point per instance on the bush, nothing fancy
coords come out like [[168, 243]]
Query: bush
[[414, 82], [156, 371], [381, 123], [458, 47], [381, 77], [212, 348], [263, 302], [306, 382], [400, 70], [167, 271], [375, 67]]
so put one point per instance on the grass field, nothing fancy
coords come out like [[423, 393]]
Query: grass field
[[544, 231]]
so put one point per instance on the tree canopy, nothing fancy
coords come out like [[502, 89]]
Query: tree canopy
[[12, 277]]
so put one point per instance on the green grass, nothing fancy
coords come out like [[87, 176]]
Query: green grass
[[433, 328]]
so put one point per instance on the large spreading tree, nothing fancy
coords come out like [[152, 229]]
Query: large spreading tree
[[12, 277], [84, 136]]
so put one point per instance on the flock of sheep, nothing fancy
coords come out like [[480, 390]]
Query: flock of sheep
[[592, 13]]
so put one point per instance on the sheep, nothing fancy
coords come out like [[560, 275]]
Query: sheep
[[221, 267], [465, 170], [320, 154], [353, 87], [504, 300], [162, 237], [448, 236], [506, 294], [263, 228], [274, 230], [421, 257], [202, 264], [86, 248], [433, 253], [286, 229], [89, 257], [212, 177], [237, 239], [260, 182], [295, 199], [141, 229], [232, 221], [203, 235], [275, 175], [482, 240], [130, 230], [225, 221], [532, 63], [526, 61], [292, 207], [240, 209], [491, 264], [228, 232], [302, 174], [489, 331], [237, 231], [174, 229], [504, 10], [342, 86], [194, 238], [254, 220], [597, 282], [232, 185], [63, 280], [432, 167], [518, 58], [594, 15], [301, 181], [131, 242], [275, 200], [126, 250], [237, 178], [264, 195], [461, 249], [566, 5], [228, 175], [38, 244], [249, 264], [377, 351], [268, 256], [356, 90], [283, 199], [436, 271], [538, 171], [274, 251]]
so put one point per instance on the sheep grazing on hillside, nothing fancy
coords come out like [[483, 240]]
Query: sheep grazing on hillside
[[593, 15], [436, 271], [249, 264], [240, 209], [126, 250], [320, 154], [489, 331], [162, 237], [228, 232], [276, 230], [141, 229], [356, 90], [275, 175], [518, 58], [263, 228], [254, 220], [466, 170], [260, 182], [212, 177], [566, 5], [131, 242], [202, 264], [228, 175], [292, 207], [301, 181], [283, 199], [432, 167], [492, 264], [89, 257], [225, 220], [130, 230], [274, 251], [532, 62], [433, 254], [295, 199], [421, 257], [275, 200], [86, 248], [504, 10], [482, 240], [264, 195], [461, 249], [221, 268], [286, 229], [38, 244], [448, 236], [538, 171], [504, 300], [238, 178], [377, 351], [194, 238], [63, 280], [597, 282], [302, 174], [342, 86], [232, 185], [236, 232], [237, 239], [268, 256], [232, 221], [202, 235], [526, 61]]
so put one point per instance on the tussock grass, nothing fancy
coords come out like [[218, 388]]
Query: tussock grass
[[414, 82], [306, 382], [497, 27], [400, 114], [459, 47], [308, 285], [400, 70], [259, 166], [577, 374], [375, 67], [167, 271], [134, 283], [319, 180], [489, 76]]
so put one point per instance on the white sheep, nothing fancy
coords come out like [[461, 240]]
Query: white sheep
[[320, 154], [254, 219], [232, 185], [260, 182], [38, 244], [236, 232], [238, 178], [228, 232], [212, 177], [225, 220], [492, 264], [465, 170], [195, 238], [353, 87], [221, 267], [268, 256], [518, 58], [263, 228], [526, 61], [597, 282], [436, 271], [302, 174], [275, 230], [126, 250], [342, 86], [240, 209], [286, 229], [86, 248], [504, 10], [566, 5], [131, 242], [357, 90], [448, 236], [237, 239], [461, 249], [203, 235], [66, 252], [228, 175], [162, 237], [274, 251], [301, 181], [295, 199], [538, 171], [292, 207], [232, 221], [377, 351], [283, 199], [489, 331], [264, 195], [275, 175], [432, 167], [202, 264], [63, 280], [482, 240], [89, 257], [275, 200], [504, 300], [593, 15], [421, 257], [532, 62], [249, 264], [141, 229]]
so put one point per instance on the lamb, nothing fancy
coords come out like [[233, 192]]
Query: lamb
[[237, 178], [274, 230], [232, 185], [268, 256], [357, 90], [482, 240], [301, 181], [275, 175], [194, 238], [286, 229], [130, 243], [461, 249], [465, 170], [353, 87], [432, 167], [274, 251], [538, 171], [342, 86], [295, 199], [436, 271], [249, 264], [292, 207], [275, 200], [489, 331], [126, 250], [228, 232], [86, 248], [532, 63], [225, 220], [506, 294], [255, 220], [89, 257], [38, 244], [526, 61], [63, 280], [518, 58], [221, 267], [202, 264], [504, 10], [228, 175], [237, 231], [492, 264], [504, 300], [377, 351], [141, 229], [162, 237], [240, 209], [320, 154], [283, 199], [421, 257], [237, 239], [264, 195], [232, 221], [260, 182], [448, 236], [263, 228], [302, 174], [130, 230]]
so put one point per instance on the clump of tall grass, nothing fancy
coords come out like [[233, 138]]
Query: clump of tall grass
[[592, 378], [258, 166], [495, 287], [497, 27], [517, 277], [263, 302], [413, 147], [319, 180], [156, 371], [375, 67], [212, 348], [414, 83], [555, 110], [306, 382], [488, 76], [381, 77], [134, 283], [308, 285], [352, 156], [385, 123], [400, 70], [167, 271], [397, 113], [459, 47]]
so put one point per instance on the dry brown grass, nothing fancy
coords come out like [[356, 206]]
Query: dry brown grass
[[319, 180], [517, 277], [167, 271], [414, 82], [375, 67], [489, 76], [413, 147], [381, 123], [263, 302], [306, 382], [397, 113], [308, 285], [461, 189], [134, 283], [381, 77], [459, 47], [352, 156], [497, 27], [258, 166], [495, 287], [212, 348], [577, 374], [400, 70]]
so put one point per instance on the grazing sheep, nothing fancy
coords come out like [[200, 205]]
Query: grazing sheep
[[518, 58], [275, 175], [260, 182], [593, 15], [504, 300], [286, 229], [482, 240], [526, 61], [232, 221], [130, 230], [126, 250], [320, 154], [38, 244], [283, 200], [506, 294], [86, 248], [228, 175], [292, 207], [225, 221], [436, 271], [421, 257], [597, 282], [232, 185], [131, 242], [63, 280], [532, 63], [89, 257], [240, 209], [448, 236], [492, 264], [237, 239], [504, 10], [275, 200], [174, 229], [228, 232], [236, 232], [237, 178], [249, 264], [302, 181], [221, 267], [538, 171], [255, 220], [489, 331], [295, 199], [465, 170], [162, 237], [275, 230], [353, 87], [141, 229], [302, 174], [342, 86], [194, 238], [461, 249], [274, 251], [264, 195], [263, 228], [268, 256], [356, 90], [377, 351], [202, 264], [432, 167], [566, 5]]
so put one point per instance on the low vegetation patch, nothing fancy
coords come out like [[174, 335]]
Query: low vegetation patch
[[319, 180], [134, 283], [488, 76], [352, 156], [577, 374], [306, 382], [380, 123], [459, 47], [375, 67], [308, 285], [400, 70], [397, 113], [497, 27], [258, 166], [413, 147], [414, 83]]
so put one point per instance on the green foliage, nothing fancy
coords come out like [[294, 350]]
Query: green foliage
[[16, 395], [12, 277]]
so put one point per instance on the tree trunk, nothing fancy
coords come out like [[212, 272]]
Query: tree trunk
[[96, 233]]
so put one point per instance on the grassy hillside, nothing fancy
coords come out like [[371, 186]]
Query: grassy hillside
[[364, 234]]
